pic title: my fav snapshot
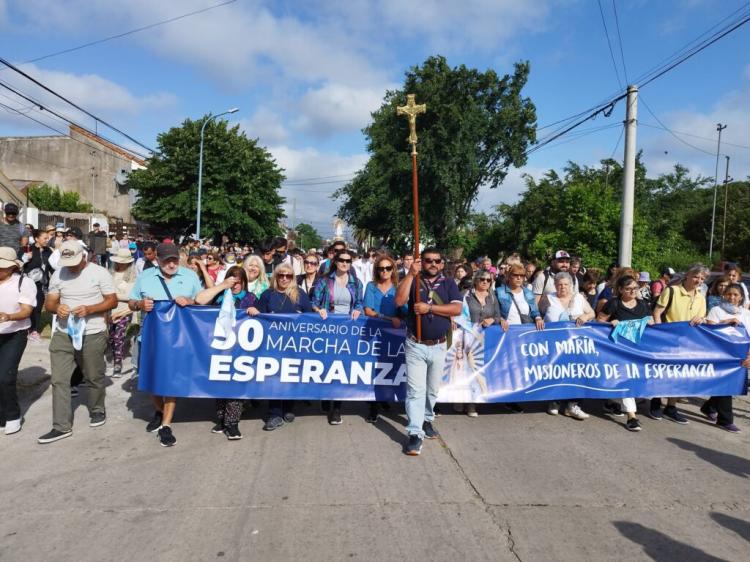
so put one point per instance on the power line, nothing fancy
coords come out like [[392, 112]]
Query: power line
[[695, 136], [619, 39], [78, 107], [298, 180], [609, 44], [683, 141], [617, 144], [131, 32]]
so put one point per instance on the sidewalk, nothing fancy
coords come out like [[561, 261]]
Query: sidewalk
[[499, 487]]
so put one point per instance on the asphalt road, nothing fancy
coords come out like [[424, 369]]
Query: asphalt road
[[499, 487]]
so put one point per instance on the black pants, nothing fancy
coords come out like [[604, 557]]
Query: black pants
[[12, 347], [723, 407], [36, 315], [277, 408]]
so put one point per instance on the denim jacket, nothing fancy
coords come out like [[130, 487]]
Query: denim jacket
[[504, 297], [323, 292]]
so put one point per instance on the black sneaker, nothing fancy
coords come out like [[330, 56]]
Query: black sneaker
[[655, 413], [53, 436], [166, 439], [97, 419], [232, 432], [274, 422], [709, 412], [612, 409], [429, 431], [155, 423], [289, 417], [671, 413], [373, 414], [633, 425], [334, 418], [413, 446], [218, 428]]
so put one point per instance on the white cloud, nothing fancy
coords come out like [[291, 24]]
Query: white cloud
[[338, 107], [266, 125], [509, 192]]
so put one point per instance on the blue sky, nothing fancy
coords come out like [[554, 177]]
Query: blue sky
[[306, 75]]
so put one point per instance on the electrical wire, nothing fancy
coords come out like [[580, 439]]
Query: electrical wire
[[683, 141], [709, 139], [609, 44], [130, 32], [619, 40]]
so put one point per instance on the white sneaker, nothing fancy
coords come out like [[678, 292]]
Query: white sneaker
[[471, 411], [13, 426], [553, 408], [576, 412]]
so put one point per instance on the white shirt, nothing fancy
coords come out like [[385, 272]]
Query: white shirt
[[363, 268], [718, 315], [513, 316], [11, 300], [556, 309]]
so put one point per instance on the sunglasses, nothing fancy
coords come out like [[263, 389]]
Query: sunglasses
[[430, 261], [484, 279], [285, 275], [517, 275], [385, 268], [307, 262], [342, 260], [630, 289]]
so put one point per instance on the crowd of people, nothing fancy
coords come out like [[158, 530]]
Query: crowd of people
[[96, 288]]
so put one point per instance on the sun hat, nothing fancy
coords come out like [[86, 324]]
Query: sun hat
[[123, 255], [9, 258]]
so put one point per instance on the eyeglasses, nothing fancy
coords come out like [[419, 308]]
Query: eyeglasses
[[430, 261], [342, 260], [385, 268], [630, 289], [284, 275], [309, 262], [484, 280]]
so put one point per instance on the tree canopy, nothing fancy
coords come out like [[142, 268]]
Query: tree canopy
[[51, 198], [477, 125], [241, 183], [308, 237]]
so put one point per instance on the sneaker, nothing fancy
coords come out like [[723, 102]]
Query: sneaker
[[97, 419], [612, 409], [53, 436], [553, 408], [671, 413], [218, 428], [166, 439], [730, 427], [289, 417], [373, 414], [709, 412], [429, 431], [655, 413], [34, 337], [74, 392], [155, 423], [274, 422], [334, 418], [633, 424], [575, 412], [233, 432], [13, 426], [413, 446], [471, 411], [117, 371]]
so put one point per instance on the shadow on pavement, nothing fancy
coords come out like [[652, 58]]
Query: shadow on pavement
[[732, 464], [739, 526], [661, 547], [33, 382]]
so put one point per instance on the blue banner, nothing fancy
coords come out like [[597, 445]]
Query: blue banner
[[186, 352]]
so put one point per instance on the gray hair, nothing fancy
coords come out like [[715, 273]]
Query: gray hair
[[564, 275], [697, 268]]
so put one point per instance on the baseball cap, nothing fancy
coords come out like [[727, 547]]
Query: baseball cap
[[562, 255], [666, 271], [10, 209], [71, 253], [165, 251], [75, 231]]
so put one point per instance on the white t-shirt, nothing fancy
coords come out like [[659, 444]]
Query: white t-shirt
[[513, 316], [556, 309], [11, 299], [86, 288], [720, 316]]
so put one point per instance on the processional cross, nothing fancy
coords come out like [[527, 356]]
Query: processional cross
[[411, 110]]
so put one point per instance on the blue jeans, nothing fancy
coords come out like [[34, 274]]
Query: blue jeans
[[424, 370]]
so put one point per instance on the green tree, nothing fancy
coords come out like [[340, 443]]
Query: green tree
[[51, 198], [477, 125], [308, 237], [241, 183]]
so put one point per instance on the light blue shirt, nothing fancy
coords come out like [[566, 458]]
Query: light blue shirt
[[184, 283]]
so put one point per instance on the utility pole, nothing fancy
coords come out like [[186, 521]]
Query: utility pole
[[720, 128], [726, 198], [294, 211], [628, 180]]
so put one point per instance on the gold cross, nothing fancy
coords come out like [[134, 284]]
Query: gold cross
[[411, 110]]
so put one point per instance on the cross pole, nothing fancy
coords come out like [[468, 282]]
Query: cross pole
[[411, 110]]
